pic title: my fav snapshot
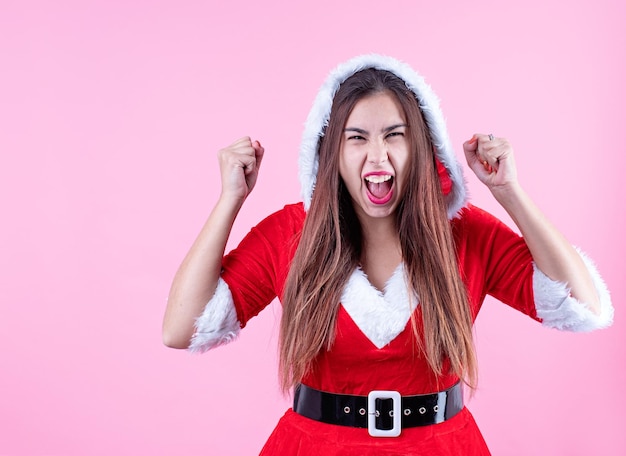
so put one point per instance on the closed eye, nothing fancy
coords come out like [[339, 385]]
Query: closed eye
[[355, 134], [395, 130]]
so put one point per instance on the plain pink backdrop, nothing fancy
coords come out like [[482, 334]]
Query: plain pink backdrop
[[110, 116]]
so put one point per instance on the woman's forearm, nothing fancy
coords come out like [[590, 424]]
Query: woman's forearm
[[551, 252], [196, 279]]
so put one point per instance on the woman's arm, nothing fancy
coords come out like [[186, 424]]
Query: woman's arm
[[492, 162], [196, 279]]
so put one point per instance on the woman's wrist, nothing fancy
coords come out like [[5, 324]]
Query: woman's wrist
[[509, 195], [229, 204]]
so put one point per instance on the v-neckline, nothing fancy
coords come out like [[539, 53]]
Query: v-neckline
[[380, 315]]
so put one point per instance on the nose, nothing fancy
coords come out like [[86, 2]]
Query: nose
[[377, 152]]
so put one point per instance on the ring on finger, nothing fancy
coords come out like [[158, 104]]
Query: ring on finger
[[490, 137]]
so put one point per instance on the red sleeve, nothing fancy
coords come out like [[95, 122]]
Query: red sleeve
[[494, 260], [257, 269]]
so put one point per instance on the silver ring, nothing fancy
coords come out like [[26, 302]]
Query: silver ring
[[490, 137]]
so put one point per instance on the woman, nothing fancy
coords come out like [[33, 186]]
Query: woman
[[381, 270]]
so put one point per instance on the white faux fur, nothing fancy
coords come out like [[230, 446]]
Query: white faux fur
[[218, 323], [558, 309], [428, 102], [380, 316]]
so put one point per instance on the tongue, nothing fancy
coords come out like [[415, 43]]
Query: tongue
[[379, 190]]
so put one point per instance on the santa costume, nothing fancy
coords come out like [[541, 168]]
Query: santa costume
[[375, 349]]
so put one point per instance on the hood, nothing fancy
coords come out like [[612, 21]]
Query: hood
[[456, 197]]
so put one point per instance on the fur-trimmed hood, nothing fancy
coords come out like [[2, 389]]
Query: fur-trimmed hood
[[428, 102]]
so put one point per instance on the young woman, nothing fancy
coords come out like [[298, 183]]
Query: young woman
[[381, 271]]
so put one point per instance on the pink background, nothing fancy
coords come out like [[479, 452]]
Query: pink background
[[111, 114]]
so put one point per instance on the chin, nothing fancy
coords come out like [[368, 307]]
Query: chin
[[381, 212]]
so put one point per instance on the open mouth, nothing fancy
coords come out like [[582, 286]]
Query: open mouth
[[379, 188]]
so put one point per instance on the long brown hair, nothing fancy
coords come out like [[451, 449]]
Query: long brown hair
[[331, 245]]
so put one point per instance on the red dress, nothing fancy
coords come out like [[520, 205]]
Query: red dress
[[493, 260]]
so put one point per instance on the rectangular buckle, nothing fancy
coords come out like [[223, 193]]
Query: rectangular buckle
[[371, 413]]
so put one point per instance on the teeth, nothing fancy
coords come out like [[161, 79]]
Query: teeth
[[378, 179]]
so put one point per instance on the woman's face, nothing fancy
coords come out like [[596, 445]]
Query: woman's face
[[374, 155]]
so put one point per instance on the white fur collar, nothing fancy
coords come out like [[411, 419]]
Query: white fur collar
[[381, 316], [319, 115]]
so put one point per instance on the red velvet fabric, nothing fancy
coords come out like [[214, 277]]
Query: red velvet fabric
[[493, 260], [297, 435], [444, 177]]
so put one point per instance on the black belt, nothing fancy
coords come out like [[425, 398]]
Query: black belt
[[378, 412]]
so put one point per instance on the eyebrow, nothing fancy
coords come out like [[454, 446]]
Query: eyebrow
[[365, 132]]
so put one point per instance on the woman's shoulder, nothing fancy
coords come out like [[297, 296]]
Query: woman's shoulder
[[470, 214], [289, 218], [476, 230], [292, 211], [476, 222]]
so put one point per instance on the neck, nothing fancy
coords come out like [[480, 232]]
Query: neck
[[381, 248], [379, 230]]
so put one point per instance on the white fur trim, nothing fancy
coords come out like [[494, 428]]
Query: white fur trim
[[558, 309], [380, 316], [429, 104], [218, 323]]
